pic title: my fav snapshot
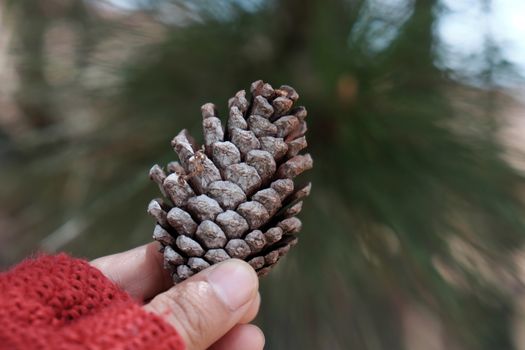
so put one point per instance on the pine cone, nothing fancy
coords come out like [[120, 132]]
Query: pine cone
[[234, 197]]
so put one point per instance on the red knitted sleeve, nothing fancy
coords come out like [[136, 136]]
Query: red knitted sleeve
[[57, 302]]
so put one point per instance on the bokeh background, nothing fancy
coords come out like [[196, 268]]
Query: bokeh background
[[413, 234]]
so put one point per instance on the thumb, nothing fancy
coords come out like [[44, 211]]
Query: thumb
[[206, 306]]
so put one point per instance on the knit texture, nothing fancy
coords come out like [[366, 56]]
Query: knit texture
[[57, 302]]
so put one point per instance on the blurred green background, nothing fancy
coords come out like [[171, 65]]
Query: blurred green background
[[413, 233]]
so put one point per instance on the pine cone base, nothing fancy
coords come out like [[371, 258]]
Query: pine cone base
[[235, 196]]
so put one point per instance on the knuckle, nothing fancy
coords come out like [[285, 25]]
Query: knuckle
[[187, 306]]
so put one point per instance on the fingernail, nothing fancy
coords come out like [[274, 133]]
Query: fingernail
[[234, 283]]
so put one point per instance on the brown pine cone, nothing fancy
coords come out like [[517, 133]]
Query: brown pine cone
[[234, 197]]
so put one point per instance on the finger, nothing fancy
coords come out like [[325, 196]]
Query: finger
[[250, 315], [241, 337], [138, 271], [206, 306]]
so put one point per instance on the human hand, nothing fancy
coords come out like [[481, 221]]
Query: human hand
[[210, 310]]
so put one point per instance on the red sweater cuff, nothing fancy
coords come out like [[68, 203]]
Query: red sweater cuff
[[57, 302]]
